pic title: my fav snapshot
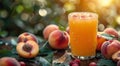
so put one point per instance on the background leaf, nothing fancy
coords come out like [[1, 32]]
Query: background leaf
[[46, 49], [5, 52], [105, 62], [107, 36], [42, 61]]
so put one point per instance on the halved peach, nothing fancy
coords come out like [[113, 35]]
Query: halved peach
[[27, 49]]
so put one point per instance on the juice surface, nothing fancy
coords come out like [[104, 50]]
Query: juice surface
[[83, 35]]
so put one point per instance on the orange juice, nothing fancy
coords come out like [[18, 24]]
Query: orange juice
[[83, 33]]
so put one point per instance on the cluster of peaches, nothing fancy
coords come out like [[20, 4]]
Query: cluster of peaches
[[57, 38], [110, 48], [107, 41], [28, 47]]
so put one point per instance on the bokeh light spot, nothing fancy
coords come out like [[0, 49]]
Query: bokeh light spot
[[42, 12], [118, 19]]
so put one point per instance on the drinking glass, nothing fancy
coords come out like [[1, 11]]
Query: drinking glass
[[83, 34]]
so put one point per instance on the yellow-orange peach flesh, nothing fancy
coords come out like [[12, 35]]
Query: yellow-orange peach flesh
[[116, 56], [28, 49]]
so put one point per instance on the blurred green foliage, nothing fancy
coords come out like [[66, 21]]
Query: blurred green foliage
[[17, 16]]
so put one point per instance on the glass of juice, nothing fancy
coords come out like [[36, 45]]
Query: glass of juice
[[83, 34]]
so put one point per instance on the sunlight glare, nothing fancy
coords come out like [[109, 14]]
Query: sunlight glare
[[105, 3], [118, 19]]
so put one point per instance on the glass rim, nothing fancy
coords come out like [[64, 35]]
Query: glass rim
[[83, 15]]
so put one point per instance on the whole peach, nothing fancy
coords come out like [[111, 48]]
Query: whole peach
[[8, 61], [111, 31], [109, 48], [26, 36], [48, 29], [59, 39], [27, 49]]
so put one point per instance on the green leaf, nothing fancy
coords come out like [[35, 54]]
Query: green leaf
[[45, 49], [62, 27], [49, 57], [3, 33], [105, 62], [7, 49], [5, 52], [19, 8], [43, 62], [47, 52], [107, 36]]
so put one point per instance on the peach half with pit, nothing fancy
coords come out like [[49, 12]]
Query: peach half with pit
[[59, 39], [109, 48], [27, 49], [9, 61], [27, 36], [48, 29]]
